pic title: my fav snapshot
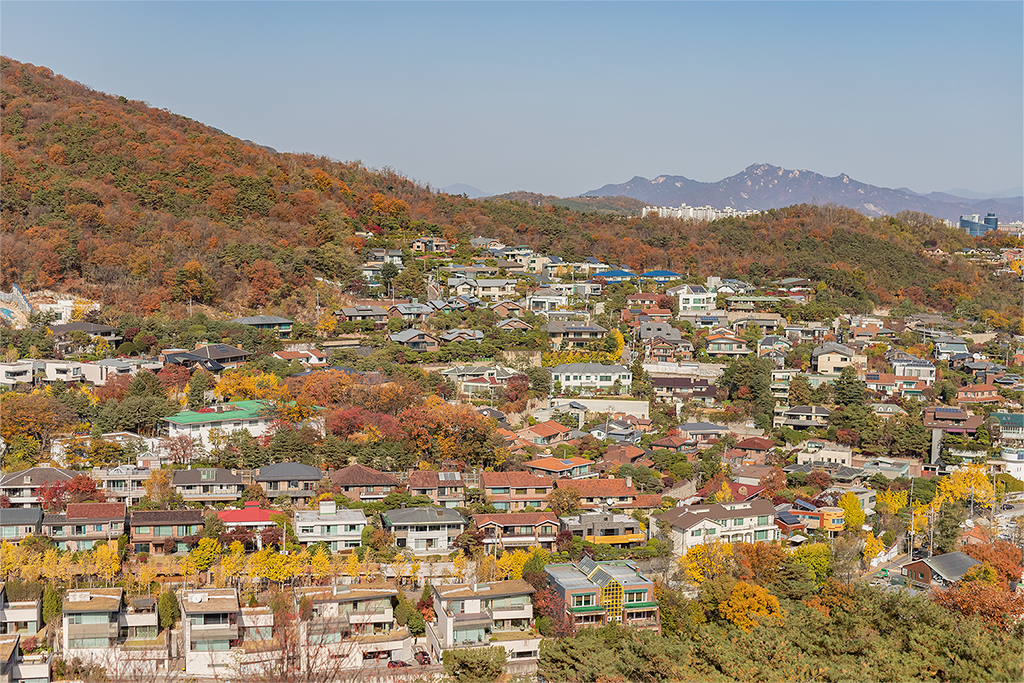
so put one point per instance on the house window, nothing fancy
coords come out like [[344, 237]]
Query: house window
[[738, 521], [305, 529], [636, 596], [695, 532], [583, 600], [760, 535], [762, 520]]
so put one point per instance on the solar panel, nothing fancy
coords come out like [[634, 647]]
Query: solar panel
[[950, 411], [567, 462]]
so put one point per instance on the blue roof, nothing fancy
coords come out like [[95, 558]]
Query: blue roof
[[660, 273], [617, 273]]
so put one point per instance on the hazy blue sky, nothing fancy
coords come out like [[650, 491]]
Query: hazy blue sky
[[561, 98]]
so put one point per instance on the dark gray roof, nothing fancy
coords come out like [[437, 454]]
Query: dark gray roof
[[20, 516], [285, 471], [423, 515], [263, 320], [951, 566]]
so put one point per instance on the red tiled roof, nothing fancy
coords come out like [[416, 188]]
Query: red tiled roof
[[516, 518], [423, 479], [756, 443], [598, 488], [647, 500], [557, 464], [513, 480], [360, 475], [95, 511], [740, 492], [251, 512], [670, 442], [549, 428]]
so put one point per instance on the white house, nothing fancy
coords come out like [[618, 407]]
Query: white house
[[339, 529], [498, 613], [748, 522], [589, 377]]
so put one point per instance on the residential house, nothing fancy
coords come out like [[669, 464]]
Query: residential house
[[359, 482], [510, 530], [221, 638], [726, 345], [801, 417], [19, 371], [682, 389], [574, 468], [310, 358], [16, 524], [446, 489], [573, 334], [671, 443], [939, 571], [623, 453], [483, 289], [377, 315], [21, 487], [596, 494], [291, 479], [509, 309], [826, 518], [1010, 428], [104, 332], [615, 430], [350, 627], [606, 528], [951, 420], [22, 616], [460, 335], [894, 385], [756, 448], [733, 522], [91, 625], [254, 417], [250, 518], [497, 613], [168, 531], [694, 298], [123, 484], [17, 666], [978, 393], [83, 524], [597, 593], [945, 348], [208, 485], [416, 340], [426, 531], [429, 245], [515, 490], [830, 359], [223, 354], [548, 433], [339, 529], [701, 433], [512, 324], [589, 377], [817, 452], [414, 312], [275, 323]]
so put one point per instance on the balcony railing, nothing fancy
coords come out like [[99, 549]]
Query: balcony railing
[[104, 630], [219, 632]]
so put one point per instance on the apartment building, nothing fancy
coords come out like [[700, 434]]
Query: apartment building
[[588, 377], [208, 485], [515, 490], [512, 530], [339, 529], [446, 489], [351, 626], [424, 530], [498, 613], [91, 625], [694, 298], [600, 493], [83, 524], [598, 593], [254, 417]]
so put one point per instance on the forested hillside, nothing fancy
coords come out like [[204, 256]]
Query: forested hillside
[[144, 209]]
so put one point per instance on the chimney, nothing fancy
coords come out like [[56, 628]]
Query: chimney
[[239, 347], [629, 482]]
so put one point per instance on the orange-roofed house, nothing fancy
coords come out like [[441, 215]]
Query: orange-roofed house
[[561, 467], [978, 393], [515, 490], [755, 447], [545, 433]]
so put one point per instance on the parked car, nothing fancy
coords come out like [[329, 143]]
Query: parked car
[[920, 554], [422, 657], [1007, 506], [397, 664]]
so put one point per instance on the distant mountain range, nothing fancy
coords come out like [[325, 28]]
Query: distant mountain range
[[763, 186], [468, 190]]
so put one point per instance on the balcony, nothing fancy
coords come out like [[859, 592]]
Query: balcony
[[104, 630], [218, 632], [617, 539]]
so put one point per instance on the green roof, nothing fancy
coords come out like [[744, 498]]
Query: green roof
[[636, 605], [240, 410]]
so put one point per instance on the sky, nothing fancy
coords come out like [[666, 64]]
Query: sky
[[564, 97]]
